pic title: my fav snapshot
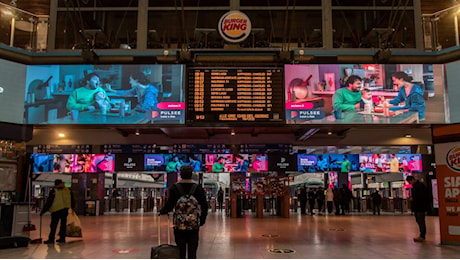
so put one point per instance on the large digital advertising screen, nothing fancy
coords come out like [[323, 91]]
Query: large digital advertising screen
[[104, 94], [364, 93], [326, 162], [12, 90], [406, 163], [241, 163], [73, 163]]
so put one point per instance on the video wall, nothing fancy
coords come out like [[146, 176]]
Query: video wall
[[12, 91], [406, 163], [364, 93], [236, 163], [73, 163], [173, 162], [326, 162], [105, 94]]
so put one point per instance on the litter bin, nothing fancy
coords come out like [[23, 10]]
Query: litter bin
[[90, 207]]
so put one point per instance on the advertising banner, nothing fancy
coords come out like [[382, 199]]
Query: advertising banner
[[448, 174], [364, 93]]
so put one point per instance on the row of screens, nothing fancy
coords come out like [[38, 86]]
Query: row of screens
[[93, 163], [156, 94]]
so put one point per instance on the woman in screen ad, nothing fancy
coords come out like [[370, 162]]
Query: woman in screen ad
[[146, 93], [411, 95]]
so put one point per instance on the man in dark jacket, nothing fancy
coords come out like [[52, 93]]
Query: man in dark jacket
[[376, 201], [303, 200], [420, 204], [59, 201], [186, 237]]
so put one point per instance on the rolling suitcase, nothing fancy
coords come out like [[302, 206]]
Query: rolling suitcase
[[164, 251]]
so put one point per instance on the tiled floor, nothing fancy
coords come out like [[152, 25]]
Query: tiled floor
[[350, 236]]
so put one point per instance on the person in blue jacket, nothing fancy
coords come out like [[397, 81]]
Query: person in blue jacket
[[409, 93], [146, 93]]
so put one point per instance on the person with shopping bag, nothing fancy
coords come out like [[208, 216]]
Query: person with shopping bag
[[59, 201]]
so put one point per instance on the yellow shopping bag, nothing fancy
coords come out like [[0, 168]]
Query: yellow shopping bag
[[73, 225]]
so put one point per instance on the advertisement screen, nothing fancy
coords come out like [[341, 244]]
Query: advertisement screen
[[12, 82], [165, 162], [364, 93], [241, 163], [326, 162], [42, 163], [74, 163], [406, 163], [104, 94]]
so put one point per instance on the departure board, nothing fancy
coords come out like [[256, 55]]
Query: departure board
[[233, 95]]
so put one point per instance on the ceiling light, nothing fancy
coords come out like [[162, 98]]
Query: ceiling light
[[137, 132], [408, 135], [329, 133], [233, 132], [61, 135]]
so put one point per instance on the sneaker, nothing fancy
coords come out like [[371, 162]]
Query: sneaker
[[60, 240], [49, 242], [419, 239]]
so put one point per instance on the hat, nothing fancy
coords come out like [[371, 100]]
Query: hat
[[57, 182]]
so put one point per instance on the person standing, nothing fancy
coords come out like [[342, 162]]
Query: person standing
[[303, 200], [420, 204], [376, 201], [220, 198], [394, 164], [58, 203], [312, 200], [329, 199], [320, 199], [187, 236]]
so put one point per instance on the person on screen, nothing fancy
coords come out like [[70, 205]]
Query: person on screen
[[173, 165], [146, 93], [242, 165], [82, 98], [348, 98], [322, 164], [366, 100], [195, 163], [218, 166], [394, 164], [411, 95]]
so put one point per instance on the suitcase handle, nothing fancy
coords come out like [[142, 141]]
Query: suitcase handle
[[159, 230]]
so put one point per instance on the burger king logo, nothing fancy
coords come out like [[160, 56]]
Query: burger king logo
[[234, 26], [453, 159]]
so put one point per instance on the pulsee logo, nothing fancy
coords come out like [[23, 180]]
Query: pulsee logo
[[234, 26], [453, 159]]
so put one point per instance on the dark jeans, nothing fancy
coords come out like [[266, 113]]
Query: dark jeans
[[303, 204], [329, 206], [60, 215], [186, 238], [420, 219], [376, 208], [221, 204]]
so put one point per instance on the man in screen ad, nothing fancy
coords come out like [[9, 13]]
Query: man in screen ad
[[82, 98], [348, 98]]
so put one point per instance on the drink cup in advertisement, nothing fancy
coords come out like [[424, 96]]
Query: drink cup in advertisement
[[73, 115]]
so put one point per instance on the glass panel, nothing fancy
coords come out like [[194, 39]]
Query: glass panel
[[279, 3], [369, 29], [98, 3], [164, 3], [370, 3], [101, 30]]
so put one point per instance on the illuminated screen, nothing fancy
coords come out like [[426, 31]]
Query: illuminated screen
[[104, 94], [165, 162], [236, 163], [320, 94], [326, 162], [42, 162], [76, 163], [12, 91], [233, 95], [405, 163]]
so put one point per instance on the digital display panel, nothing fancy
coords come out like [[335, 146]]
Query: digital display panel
[[105, 94], [241, 163], [326, 162], [406, 163], [364, 93], [232, 95], [74, 163], [12, 91], [165, 162]]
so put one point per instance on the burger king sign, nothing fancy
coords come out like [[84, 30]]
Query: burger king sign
[[234, 26]]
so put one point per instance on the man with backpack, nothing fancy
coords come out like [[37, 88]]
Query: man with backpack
[[188, 200]]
